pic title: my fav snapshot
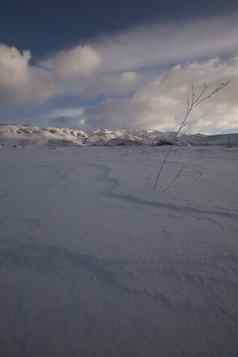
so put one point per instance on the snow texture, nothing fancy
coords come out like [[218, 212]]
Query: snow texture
[[94, 262]]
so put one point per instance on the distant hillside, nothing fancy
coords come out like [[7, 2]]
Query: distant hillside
[[104, 137], [222, 139]]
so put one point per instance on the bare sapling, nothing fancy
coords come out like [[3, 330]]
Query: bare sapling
[[194, 99]]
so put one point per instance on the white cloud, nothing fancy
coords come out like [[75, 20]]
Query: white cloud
[[143, 47], [14, 66], [112, 84], [130, 71], [163, 44], [161, 102], [80, 61], [19, 81]]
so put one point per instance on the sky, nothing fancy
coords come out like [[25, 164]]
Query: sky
[[128, 64]]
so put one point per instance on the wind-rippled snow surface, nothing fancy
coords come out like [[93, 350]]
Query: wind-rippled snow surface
[[94, 262]]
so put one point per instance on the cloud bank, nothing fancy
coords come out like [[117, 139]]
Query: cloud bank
[[81, 61], [139, 78], [19, 81]]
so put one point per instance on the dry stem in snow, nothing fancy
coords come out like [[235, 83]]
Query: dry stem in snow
[[194, 99]]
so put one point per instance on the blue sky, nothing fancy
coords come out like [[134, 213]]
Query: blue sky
[[118, 64]]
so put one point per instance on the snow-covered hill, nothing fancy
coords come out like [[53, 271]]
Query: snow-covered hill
[[105, 137]]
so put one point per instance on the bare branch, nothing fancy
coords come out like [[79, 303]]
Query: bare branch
[[212, 93], [202, 93], [193, 101]]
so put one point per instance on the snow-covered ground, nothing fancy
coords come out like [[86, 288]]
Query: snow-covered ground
[[94, 262]]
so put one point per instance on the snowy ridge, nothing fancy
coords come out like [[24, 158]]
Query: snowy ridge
[[104, 137]]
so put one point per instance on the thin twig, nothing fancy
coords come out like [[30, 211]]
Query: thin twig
[[193, 101]]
